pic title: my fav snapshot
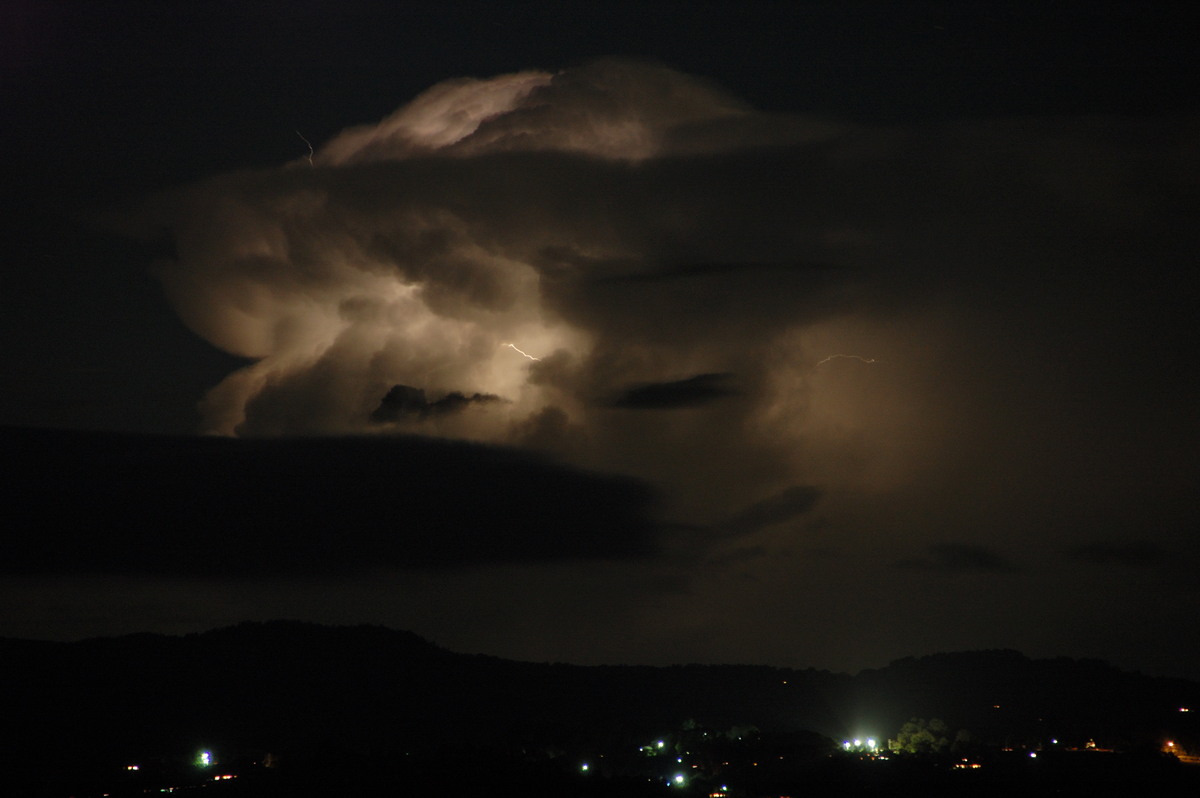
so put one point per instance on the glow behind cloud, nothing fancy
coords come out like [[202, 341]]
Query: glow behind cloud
[[637, 231]]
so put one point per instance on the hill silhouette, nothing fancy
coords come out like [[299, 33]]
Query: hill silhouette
[[316, 693]]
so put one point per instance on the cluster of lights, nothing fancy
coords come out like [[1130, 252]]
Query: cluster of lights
[[857, 745]]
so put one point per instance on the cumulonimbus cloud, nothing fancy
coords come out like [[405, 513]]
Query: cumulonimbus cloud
[[482, 212], [553, 238]]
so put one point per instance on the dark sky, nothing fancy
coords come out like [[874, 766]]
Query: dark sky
[[806, 334]]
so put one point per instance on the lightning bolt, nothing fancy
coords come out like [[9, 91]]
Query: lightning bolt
[[853, 357], [518, 351], [310, 147]]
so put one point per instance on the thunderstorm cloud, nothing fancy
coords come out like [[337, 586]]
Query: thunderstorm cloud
[[521, 260]]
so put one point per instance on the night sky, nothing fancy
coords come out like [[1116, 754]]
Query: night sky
[[802, 334]]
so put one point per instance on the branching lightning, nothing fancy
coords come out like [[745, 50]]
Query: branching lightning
[[518, 351], [310, 147], [853, 357]]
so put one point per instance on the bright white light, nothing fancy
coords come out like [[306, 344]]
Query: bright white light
[[857, 743], [518, 351], [585, 767], [1033, 754], [659, 744], [205, 759], [679, 778], [870, 742]]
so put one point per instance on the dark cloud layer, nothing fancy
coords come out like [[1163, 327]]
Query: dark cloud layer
[[90, 503], [691, 392], [777, 509], [405, 401], [956, 558]]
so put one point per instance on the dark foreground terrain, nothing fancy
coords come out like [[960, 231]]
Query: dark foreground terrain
[[293, 709]]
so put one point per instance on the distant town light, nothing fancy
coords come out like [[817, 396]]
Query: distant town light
[[659, 744], [1033, 754], [679, 778], [132, 767], [204, 759], [585, 767], [1184, 709]]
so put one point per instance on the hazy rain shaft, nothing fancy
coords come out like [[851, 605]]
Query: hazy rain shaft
[[645, 276]]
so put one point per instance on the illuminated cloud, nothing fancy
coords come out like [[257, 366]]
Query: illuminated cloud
[[875, 311], [501, 259]]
